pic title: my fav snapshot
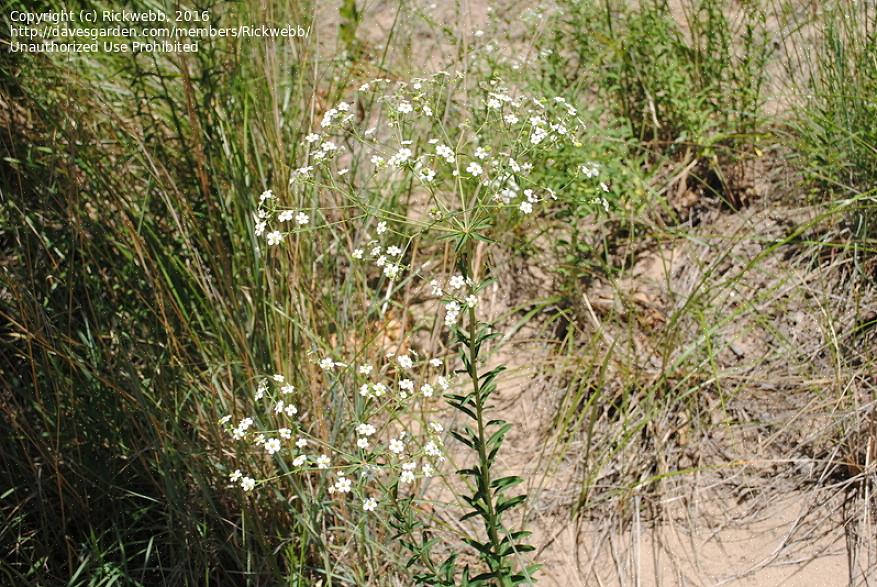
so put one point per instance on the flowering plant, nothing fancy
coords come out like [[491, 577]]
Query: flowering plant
[[416, 201]]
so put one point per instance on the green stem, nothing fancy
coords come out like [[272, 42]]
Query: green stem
[[484, 478]]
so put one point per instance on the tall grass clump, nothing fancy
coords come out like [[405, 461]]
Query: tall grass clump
[[134, 303], [835, 121]]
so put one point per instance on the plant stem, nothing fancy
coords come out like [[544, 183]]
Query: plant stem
[[484, 477]]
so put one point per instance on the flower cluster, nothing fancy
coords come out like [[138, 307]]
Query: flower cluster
[[388, 259], [459, 295], [380, 453], [290, 220]]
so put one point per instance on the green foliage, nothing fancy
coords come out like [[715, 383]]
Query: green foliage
[[684, 83], [499, 548], [837, 124]]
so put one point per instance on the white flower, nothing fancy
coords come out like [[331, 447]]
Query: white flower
[[278, 407], [493, 103], [248, 483], [225, 420], [274, 237], [471, 301], [405, 361], [427, 111], [362, 442], [365, 429], [301, 442], [301, 219], [260, 228], [481, 153], [365, 369], [431, 449], [327, 118], [391, 271], [364, 88], [312, 138], [375, 251], [457, 281], [285, 216], [291, 410], [343, 106], [402, 156], [436, 427], [445, 152], [235, 476], [357, 253], [306, 170], [589, 169], [394, 251], [343, 485], [406, 384], [285, 433], [426, 390], [405, 107], [323, 462], [299, 460], [426, 175], [526, 207], [266, 195], [328, 146], [377, 161], [436, 288], [287, 389], [397, 446], [435, 362], [406, 477], [474, 169], [510, 118], [538, 135], [381, 227], [343, 172], [369, 505], [260, 439], [426, 469], [272, 446], [382, 260], [379, 389], [327, 364], [443, 382]]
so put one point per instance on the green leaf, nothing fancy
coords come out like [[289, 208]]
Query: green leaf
[[497, 436], [506, 482], [510, 503]]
